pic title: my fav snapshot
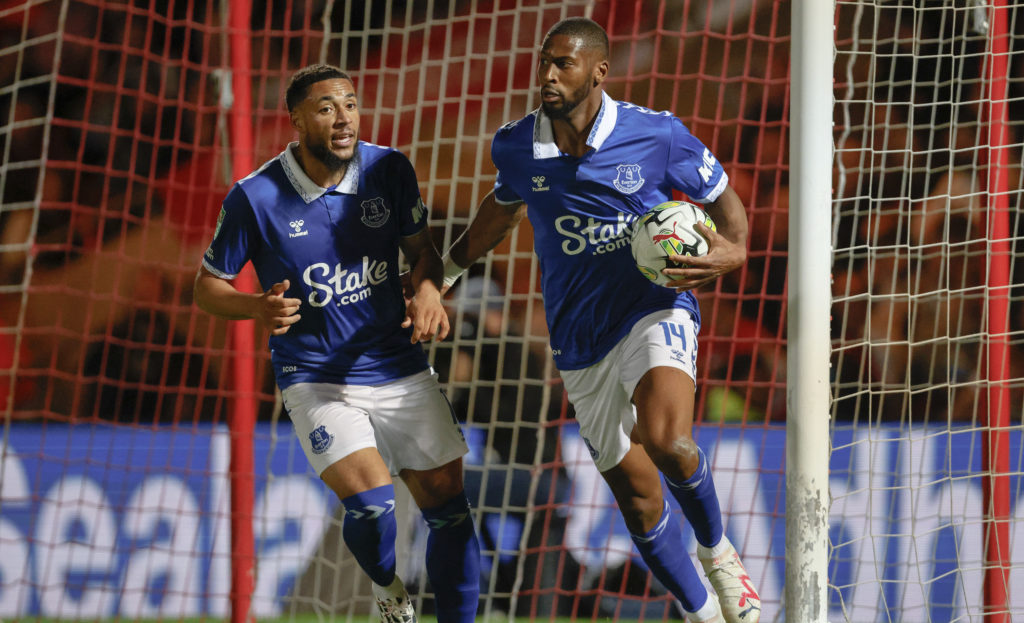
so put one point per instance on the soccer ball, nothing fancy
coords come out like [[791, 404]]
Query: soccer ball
[[667, 229]]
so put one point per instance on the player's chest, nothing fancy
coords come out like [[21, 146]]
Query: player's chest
[[609, 184], [346, 223]]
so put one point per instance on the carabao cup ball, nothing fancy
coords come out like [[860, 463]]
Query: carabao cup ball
[[667, 229]]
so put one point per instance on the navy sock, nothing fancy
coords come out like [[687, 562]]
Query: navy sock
[[369, 531], [697, 497], [665, 554], [453, 560]]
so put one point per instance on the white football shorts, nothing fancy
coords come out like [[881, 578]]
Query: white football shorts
[[602, 393], [409, 421]]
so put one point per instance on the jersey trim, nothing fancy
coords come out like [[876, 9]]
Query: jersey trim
[[309, 190], [544, 135], [216, 272]]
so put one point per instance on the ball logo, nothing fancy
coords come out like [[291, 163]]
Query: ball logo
[[375, 213], [673, 243], [320, 440], [628, 179]]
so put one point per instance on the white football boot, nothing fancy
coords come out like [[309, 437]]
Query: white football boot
[[736, 593], [393, 603]]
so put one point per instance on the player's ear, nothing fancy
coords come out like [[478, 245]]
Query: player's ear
[[600, 72], [296, 121]]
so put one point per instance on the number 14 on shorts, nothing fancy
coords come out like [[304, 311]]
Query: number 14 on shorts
[[673, 330]]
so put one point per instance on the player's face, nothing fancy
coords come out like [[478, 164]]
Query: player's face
[[566, 73], [328, 122]]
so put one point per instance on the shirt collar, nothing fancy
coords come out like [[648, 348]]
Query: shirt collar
[[309, 190], [544, 135]]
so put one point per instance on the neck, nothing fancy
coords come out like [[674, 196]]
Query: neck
[[572, 132], [316, 170]]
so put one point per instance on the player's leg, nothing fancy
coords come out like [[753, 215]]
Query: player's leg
[[657, 534], [662, 350], [453, 551], [605, 416], [339, 442], [421, 441], [363, 484]]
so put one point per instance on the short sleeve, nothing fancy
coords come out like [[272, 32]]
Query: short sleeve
[[692, 168], [503, 193], [405, 195], [234, 238]]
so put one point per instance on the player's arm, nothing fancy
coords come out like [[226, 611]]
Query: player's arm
[[424, 311], [727, 247], [493, 222], [271, 309]]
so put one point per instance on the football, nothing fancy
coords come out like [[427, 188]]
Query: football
[[664, 230]]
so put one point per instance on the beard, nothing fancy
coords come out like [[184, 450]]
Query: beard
[[562, 110], [327, 157]]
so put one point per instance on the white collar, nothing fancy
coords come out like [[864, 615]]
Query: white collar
[[309, 190], [544, 136]]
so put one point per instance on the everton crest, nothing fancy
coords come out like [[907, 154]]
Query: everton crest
[[628, 179], [375, 213], [320, 440]]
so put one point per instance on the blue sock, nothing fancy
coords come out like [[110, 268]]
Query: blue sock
[[369, 531], [453, 560], [696, 496], [665, 554]]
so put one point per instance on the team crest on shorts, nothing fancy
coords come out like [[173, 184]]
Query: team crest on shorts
[[628, 179], [320, 439], [590, 446], [375, 213]]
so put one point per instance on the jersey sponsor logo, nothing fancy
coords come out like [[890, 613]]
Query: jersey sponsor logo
[[297, 225], [375, 213], [320, 440], [538, 184], [628, 180], [349, 286], [707, 167], [598, 236]]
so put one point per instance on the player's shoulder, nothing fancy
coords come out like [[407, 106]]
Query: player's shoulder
[[266, 182], [513, 138], [637, 115], [373, 157], [517, 129]]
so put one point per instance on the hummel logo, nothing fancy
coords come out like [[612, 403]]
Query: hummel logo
[[538, 181], [297, 226]]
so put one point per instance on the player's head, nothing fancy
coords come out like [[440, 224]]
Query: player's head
[[324, 110], [573, 64]]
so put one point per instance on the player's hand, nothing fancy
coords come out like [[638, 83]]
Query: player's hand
[[694, 271], [275, 312], [407, 290], [426, 315]]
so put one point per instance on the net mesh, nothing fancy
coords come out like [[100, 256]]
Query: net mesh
[[916, 283]]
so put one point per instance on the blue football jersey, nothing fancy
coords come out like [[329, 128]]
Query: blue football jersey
[[339, 249], [583, 209]]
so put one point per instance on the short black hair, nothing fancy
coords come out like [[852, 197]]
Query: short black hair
[[298, 86], [590, 33]]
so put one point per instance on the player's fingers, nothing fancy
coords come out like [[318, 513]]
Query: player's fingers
[[443, 328], [279, 288], [286, 321]]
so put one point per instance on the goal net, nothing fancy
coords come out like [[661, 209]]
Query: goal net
[[116, 148], [927, 313]]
